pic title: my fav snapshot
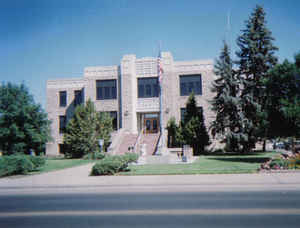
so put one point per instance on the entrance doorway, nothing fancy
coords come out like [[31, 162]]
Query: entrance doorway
[[151, 123]]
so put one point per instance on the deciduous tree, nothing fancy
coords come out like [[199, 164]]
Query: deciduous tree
[[85, 129], [23, 123]]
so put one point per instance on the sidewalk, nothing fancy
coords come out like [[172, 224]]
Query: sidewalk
[[77, 178]]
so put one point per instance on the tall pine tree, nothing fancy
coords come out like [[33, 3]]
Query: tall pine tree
[[255, 59], [226, 103], [193, 127]]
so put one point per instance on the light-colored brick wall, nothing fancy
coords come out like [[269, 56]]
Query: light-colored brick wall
[[54, 110]]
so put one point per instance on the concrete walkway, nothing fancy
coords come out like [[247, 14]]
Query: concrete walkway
[[78, 178]]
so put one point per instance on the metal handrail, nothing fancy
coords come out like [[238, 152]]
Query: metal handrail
[[138, 139]]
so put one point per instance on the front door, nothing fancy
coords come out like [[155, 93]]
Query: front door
[[151, 123]]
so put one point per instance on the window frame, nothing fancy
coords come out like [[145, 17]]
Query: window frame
[[62, 124], [63, 100], [105, 91], [190, 83], [76, 102], [148, 89]]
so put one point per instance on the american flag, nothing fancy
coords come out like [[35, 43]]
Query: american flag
[[159, 68]]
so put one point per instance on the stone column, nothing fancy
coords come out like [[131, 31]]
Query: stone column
[[129, 93]]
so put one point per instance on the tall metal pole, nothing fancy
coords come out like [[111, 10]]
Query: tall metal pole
[[161, 114], [160, 72]]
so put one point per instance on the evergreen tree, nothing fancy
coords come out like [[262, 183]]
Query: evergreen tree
[[85, 129], [255, 59], [23, 123], [193, 127], [226, 103]]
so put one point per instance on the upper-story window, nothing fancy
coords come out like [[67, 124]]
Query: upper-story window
[[106, 89], [63, 98], [78, 94], [147, 87], [190, 83]]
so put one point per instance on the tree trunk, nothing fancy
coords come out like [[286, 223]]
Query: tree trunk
[[264, 145]]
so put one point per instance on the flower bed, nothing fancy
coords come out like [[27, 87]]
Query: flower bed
[[282, 162]]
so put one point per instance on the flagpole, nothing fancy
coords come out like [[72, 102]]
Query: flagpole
[[160, 98]]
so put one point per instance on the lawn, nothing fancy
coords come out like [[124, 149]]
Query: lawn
[[57, 164], [206, 165]]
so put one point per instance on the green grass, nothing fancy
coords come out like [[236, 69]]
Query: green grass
[[206, 165], [58, 164]]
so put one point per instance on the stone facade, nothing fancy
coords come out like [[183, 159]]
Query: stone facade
[[129, 107]]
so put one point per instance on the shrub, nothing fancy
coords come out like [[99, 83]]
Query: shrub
[[106, 167], [15, 164], [37, 161], [113, 164], [131, 157], [20, 164]]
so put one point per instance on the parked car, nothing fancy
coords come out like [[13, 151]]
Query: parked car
[[279, 145]]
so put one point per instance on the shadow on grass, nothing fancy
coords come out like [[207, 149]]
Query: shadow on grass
[[222, 153], [247, 160]]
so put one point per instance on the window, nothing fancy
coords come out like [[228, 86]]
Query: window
[[190, 83], [62, 148], [63, 98], [183, 110], [78, 97], [147, 87], [106, 89], [62, 124], [114, 116]]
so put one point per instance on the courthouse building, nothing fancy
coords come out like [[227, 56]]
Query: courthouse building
[[129, 91]]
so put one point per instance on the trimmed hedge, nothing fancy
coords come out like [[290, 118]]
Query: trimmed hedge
[[20, 164], [113, 164]]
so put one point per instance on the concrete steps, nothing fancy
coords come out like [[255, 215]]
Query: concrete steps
[[151, 141], [128, 140]]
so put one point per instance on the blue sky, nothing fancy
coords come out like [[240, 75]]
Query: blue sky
[[48, 39]]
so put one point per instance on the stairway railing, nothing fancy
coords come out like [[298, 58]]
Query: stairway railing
[[138, 140]]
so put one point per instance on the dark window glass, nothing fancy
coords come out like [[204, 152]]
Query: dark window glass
[[62, 148], [183, 88], [191, 87], [198, 88], [148, 125], [147, 87], [190, 83], [106, 93], [62, 124], [155, 88], [106, 89], [141, 91], [148, 90], [114, 92], [78, 97], [154, 124], [63, 98], [114, 116]]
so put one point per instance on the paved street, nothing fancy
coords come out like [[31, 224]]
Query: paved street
[[71, 198], [204, 209]]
